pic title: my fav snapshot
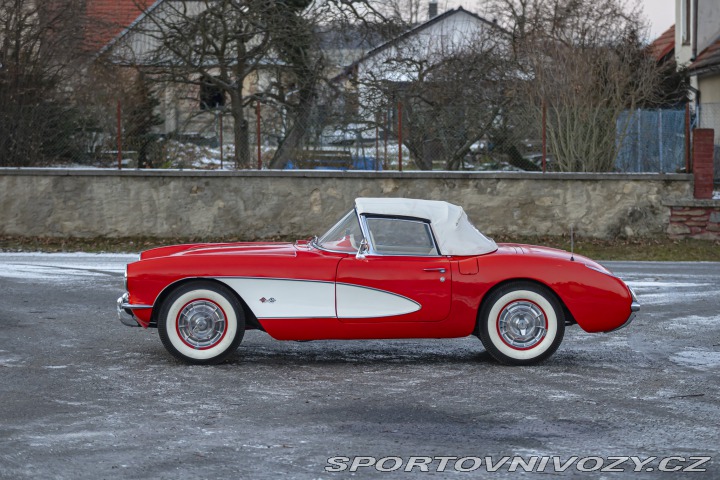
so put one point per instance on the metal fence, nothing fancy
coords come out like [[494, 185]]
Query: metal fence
[[652, 141], [342, 136]]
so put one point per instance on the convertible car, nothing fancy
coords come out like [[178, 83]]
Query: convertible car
[[390, 268]]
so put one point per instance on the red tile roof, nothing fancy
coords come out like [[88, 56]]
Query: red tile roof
[[708, 58], [664, 45], [106, 19]]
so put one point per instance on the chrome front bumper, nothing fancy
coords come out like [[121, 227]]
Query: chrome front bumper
[[125, 311]]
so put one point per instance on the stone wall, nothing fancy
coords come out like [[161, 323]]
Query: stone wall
[[265, 204], [699, 219]]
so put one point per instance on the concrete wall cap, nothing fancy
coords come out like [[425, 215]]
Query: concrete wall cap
[[109, 172]]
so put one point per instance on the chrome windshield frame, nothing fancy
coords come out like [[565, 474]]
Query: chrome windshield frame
[[316, 241], [365, 230]]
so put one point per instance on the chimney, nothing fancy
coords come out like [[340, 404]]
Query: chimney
[[432, 9]]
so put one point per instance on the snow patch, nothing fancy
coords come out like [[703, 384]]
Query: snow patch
[[60, 267], [659, 284], [694, 322], [700, 359]]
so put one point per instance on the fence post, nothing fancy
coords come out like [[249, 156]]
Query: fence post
[[377, 144], [703, 153], [544, 136], [259, 150], [220, 119], [638, 146], [660, 139], [385, 128], [687, 138], [119, 134], [400, 139]]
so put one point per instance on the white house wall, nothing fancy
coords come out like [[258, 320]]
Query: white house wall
[[683, 52], [456, 33], [708, 23], [143, 38]]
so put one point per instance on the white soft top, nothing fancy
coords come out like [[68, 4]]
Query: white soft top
[[453, 231]]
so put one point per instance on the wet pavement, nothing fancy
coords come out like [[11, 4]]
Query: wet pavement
[[83, 397]]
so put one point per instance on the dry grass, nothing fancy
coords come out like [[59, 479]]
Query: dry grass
[[636, 249]]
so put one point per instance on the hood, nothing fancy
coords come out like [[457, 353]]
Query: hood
[[245, 248]]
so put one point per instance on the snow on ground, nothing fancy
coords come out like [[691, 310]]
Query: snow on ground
[[59, 267], [697, 358]]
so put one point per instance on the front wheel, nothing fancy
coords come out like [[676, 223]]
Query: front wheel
[[201, 323], [521, 323]]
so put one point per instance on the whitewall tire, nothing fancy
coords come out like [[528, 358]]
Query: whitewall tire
[[521, 323], [201, 323]]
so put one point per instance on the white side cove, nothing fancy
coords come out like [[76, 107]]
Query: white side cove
[[280, 298], [286, 298], [362, 302]]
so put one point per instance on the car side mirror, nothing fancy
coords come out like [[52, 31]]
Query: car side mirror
[[362, 251]]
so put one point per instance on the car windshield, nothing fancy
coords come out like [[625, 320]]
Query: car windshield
[[345, 236]]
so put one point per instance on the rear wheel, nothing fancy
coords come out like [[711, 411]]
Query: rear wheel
[[521, 323], [201, 323]]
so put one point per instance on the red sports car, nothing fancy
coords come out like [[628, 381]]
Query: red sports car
[[390, 268]]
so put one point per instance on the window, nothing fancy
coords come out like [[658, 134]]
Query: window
[[393, 236], [211, 96], [345, 236]]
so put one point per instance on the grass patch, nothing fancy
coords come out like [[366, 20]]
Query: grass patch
[[630, 249], [639, 249]]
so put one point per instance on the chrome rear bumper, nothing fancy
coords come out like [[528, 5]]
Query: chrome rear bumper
[[634, 309], [125, 311]]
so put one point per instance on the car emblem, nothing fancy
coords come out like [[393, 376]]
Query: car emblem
[[263, 300]]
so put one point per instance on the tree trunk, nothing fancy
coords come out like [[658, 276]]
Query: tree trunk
[[293, 140], [241, 134]]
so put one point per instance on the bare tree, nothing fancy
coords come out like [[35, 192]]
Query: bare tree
[[216, 46], [452, 88], [38, 54], [585, 63], [242, 50]]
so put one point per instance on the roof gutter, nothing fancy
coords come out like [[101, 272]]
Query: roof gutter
[[695, 30]]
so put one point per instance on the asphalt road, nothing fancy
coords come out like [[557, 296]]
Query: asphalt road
[[84, 397]]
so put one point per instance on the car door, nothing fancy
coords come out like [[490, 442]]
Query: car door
[[403, 278]]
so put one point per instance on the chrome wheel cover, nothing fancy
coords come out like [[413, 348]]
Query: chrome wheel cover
[[522, 324], [201, 324]]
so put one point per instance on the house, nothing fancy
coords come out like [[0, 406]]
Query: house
[[106, 19], [693, 43], [435, 88], [402, 59], [191, 108]]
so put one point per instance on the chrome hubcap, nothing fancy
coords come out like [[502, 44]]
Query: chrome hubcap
[[201, 324], [522, 324]]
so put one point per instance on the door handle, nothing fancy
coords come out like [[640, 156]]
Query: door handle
[[441, 270]]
